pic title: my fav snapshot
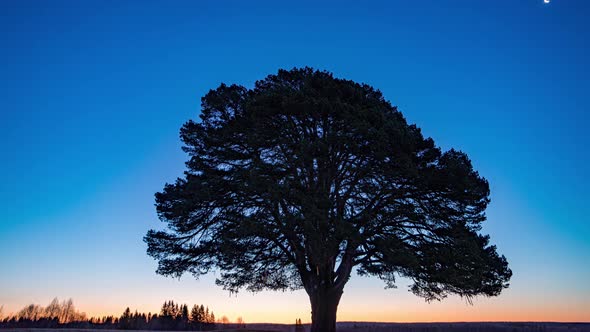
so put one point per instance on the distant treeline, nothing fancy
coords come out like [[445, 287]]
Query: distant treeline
[[172, 316], [464, 327]]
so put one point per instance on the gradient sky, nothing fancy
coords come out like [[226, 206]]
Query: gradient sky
[[93, 93]]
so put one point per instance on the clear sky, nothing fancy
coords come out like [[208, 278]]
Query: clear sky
[[93, 93]]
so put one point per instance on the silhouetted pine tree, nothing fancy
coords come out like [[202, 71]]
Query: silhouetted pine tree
[[313, 177], [125, 320]]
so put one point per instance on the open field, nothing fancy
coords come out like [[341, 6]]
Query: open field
[[464, 327], [384, 327]]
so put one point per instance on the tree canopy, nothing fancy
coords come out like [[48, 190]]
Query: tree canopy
[[304, 178]]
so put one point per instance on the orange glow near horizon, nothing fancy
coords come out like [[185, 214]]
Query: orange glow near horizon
[[568, 314], [407, 309]]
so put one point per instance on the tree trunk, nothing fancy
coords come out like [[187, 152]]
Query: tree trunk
[[324, 304]]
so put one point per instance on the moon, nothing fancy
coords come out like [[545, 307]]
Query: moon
[[546, 1]]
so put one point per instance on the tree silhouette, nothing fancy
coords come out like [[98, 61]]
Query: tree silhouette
[[53, 309], [298, 326], [202, 313], [195, 314], [305, 177], [224, 320], [240, 322], [125, 320]]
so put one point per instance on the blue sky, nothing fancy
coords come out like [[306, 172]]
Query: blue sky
[[93, 93]]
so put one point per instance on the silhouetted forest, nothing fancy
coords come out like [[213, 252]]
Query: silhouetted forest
[[180, 317], [172, 316]]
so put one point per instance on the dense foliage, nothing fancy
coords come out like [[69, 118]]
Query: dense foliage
[[305, 177]]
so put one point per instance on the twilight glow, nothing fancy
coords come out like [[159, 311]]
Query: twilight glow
[[92, 95]]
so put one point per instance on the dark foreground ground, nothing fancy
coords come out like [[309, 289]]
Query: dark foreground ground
[[464, 327], [382, 327]]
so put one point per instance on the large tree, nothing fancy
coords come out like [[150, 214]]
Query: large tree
[[306, 177]]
